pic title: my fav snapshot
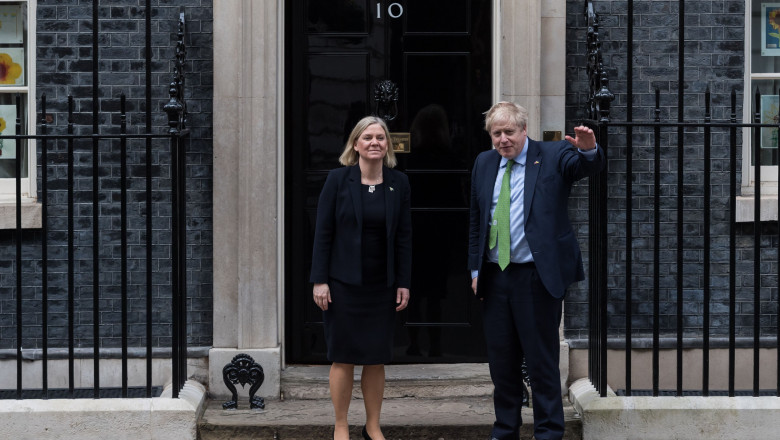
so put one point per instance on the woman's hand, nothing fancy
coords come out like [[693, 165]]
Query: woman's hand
[[322, 295], [401, 298]]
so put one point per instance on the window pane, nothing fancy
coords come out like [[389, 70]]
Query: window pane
[[13, 73], [13, 41], [8, 128], [769, 115]]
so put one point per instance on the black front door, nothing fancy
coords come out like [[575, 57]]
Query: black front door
[[438, 56]]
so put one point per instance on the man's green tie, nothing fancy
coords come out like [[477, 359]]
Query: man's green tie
[[499, 230]]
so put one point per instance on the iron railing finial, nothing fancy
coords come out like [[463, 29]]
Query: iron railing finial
[[176, 108]]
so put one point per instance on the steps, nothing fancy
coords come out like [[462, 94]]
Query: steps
[[419, 380], [422, 402]]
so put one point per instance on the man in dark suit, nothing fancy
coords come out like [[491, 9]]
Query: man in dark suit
[[523, 255]]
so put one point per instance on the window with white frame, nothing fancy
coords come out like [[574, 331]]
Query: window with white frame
[[17, 78], [762, 74]]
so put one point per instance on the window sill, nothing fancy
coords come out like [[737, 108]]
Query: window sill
[[31, 214], [746, 204]]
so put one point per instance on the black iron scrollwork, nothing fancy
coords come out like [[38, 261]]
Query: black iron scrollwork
[[599, 97], [526, 380], [386, 99], [177, 106], [243, 370]]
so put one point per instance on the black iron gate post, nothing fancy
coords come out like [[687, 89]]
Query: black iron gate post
[[177, 128], [599, 101]]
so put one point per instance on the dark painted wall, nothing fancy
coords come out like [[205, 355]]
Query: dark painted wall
[[65, 67], [714, 58]]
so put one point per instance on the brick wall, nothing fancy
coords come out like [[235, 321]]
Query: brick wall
[[714, 57], [64, 67]]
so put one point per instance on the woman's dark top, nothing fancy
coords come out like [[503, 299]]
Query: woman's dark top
[[374, 236], [337, 248]]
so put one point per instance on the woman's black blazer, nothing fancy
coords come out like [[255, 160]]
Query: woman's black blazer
[[339, 229]]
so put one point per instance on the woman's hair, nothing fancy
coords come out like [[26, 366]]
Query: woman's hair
[[350, 157], [506, 111]]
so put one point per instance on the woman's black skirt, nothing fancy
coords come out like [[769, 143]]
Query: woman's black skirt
[[359, 324]]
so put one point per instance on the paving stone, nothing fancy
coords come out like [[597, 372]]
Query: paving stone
[[422, 381], [422, 402], [402, 419]]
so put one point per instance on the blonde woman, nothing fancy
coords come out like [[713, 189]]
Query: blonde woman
[[361, 268]]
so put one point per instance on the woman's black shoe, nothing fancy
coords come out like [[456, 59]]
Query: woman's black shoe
[[365, 434]]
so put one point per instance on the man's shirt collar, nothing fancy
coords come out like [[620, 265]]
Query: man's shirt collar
[[520, 159]]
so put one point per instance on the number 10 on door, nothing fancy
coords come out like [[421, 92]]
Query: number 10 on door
[[394, 10]]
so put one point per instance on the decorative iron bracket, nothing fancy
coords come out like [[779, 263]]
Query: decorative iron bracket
[[244, 370], [526, 383], [177, 106]]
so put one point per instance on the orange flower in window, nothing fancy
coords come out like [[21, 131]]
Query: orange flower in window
[[773, 19], [10, 71]]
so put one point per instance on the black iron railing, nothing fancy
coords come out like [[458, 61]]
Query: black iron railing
[[688, 209], [176, 108], [598, 110], [80, 221], [172, 182]]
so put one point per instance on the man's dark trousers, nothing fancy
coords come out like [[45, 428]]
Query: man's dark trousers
[[522, 318]]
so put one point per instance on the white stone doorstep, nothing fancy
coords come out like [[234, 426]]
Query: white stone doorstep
[[85, 419], [670, 418]]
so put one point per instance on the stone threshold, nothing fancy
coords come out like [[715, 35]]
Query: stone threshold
[[464, 418], [422, 402], [417, 380]]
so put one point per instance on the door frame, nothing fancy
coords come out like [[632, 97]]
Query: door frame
[[517, 80], [249, 289]]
